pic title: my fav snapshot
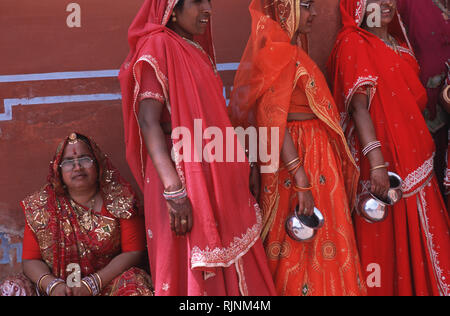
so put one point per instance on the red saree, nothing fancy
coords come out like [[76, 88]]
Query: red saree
[[412, 245], [223, 254], [59, 233], [273, 74]]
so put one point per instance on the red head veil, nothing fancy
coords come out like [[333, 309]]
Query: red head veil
[[151, 20]]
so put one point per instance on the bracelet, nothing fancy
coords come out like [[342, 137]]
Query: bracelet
[[87, 286], [175, 195], [294, 169], [39, 282], [99, 280], [92, 283], [378, 167], [300, 189], [292, 162], [52, 285], [445, 94], [371, 146]]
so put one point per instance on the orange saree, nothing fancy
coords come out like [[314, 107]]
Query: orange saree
[[274, 79]]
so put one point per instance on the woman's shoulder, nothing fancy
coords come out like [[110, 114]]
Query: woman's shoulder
[[121, 202], [36, 201], [35, 209]]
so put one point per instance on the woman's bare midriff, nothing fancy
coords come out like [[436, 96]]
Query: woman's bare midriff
[[301, 116]]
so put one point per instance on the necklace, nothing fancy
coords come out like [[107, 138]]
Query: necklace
[[391, 42], [443, 8], [84, 217], [198, 46]]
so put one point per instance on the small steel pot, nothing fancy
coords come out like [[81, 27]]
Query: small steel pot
[[374, 209], [303, 228]]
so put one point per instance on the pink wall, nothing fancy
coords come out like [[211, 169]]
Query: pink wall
[[36, 40]]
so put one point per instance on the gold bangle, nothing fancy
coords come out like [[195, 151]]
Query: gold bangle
[[87, 286], [445, 94], [291, 162], [378, 167], [99, 280], [50, 291], [175, 192], [42, 278], [300, 189]]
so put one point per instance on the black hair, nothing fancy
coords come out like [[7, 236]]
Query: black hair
[[179, 5]]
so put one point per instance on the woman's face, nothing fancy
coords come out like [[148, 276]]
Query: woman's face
[[192, 18], [387, 10], [307, 16], [78, 168]]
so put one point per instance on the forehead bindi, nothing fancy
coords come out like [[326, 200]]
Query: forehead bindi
[[79, 149]]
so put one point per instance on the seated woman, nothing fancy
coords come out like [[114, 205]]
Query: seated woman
[[85, 218]]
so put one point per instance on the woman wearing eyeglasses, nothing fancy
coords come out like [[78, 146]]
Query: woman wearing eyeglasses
[[86, 216], [279, 86]]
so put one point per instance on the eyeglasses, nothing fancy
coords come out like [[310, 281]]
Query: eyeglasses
[[307, 5], [69, 164]]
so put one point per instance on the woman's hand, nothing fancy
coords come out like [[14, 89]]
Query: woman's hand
[[180, 212], [379, 182], [79, 291], [255, 181], [305, 199]]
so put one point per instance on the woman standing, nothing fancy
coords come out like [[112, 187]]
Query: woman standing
[[202, 222], [379, 94], [279, 86]]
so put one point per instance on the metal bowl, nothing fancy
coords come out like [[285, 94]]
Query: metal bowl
[[304, 228]]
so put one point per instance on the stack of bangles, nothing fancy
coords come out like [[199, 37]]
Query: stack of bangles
[[52, 285], [39, 288], [175, 195], [93, 283], [292, 167], [371, 146]]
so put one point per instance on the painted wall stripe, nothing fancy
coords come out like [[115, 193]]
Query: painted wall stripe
[[85, 74]]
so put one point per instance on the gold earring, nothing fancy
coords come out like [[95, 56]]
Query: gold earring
[[174, 17]]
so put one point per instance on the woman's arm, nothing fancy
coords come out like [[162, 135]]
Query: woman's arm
[[149, 121], [379, 178], [35, 269], [288, 154]]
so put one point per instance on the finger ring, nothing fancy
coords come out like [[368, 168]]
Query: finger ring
[[183, 222]]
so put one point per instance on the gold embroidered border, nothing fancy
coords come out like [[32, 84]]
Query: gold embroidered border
[[225, 257]]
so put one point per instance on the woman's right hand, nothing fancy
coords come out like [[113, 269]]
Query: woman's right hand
[[379, 183], [180, 212], [305, 199], [305, 203]]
